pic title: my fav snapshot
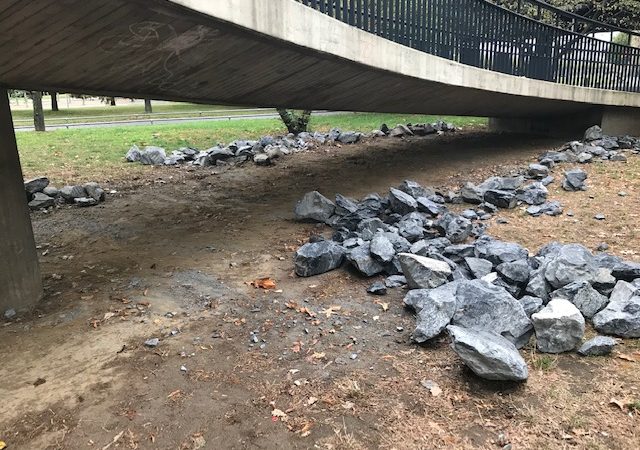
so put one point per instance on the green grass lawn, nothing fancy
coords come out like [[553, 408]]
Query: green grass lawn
[[97, 154], [124, 111]]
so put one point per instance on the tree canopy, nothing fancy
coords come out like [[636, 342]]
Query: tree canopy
[[621, 13]]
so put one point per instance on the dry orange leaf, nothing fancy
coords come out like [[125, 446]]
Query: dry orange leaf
[[264, 283]]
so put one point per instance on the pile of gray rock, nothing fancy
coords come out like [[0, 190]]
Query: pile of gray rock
[[529, 188], [490, 296], [267, 149], [41, 195]]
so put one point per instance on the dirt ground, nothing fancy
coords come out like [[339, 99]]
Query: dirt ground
[[170, 256]]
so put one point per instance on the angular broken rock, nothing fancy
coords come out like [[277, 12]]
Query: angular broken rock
[[584, 297], [471, 193], [40, 201], [484, 306], [593, 133], [401, 202], [415, 190], [559, 327], [360, 257], [538, 171], [499, 252], [70, 193], [134, 154], [488, 355], [395, 281], [422, 272], [574, 180], [533, 194], [381, 248], [598, 346], [318, 257], [622, 316], [479, 267], [153, 156], [314, 206], [36, 185], [377, 288], [553, 208], [435, 309], [572, 262], [515, 272], [502, 199], [531, 304], [626, 271]]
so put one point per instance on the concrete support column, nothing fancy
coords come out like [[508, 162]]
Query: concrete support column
[[20, 282]]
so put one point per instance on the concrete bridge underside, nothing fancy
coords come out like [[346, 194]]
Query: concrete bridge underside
[[247, 52]]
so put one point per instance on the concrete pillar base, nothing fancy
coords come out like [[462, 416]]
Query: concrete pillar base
[[615, 121], [20, 282]]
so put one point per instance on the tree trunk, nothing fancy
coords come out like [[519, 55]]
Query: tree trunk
[[147, 106], [295, 122], [54, 101], [38, 112], [112, 101]]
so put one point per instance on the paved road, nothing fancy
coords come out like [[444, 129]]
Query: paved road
[[126, 123]]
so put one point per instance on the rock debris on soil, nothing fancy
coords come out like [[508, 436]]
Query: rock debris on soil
[[267, 149], [41, 195], [489, 296]]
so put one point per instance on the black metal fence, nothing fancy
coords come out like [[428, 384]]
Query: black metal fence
[[482, 34]]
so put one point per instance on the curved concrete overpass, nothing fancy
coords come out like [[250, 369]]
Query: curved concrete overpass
[[258, 52]]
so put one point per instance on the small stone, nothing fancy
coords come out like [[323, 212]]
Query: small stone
[[262, 159], [10, 314], [85, 201], [395, 281], [598, 346], [152, 343], [377, 288], [622, 194], [602, 247], [599, 217], [538, 171], [574, 180]]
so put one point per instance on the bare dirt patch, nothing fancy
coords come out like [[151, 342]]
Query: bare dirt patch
[[171, 256]]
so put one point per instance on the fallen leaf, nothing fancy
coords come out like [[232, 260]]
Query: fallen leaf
[[432, 387], [383, 305], [312, 401], [317, 355], [330, 311], [618, 403], [278, 413], [108, 316], [3, 445], [264, 283]]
